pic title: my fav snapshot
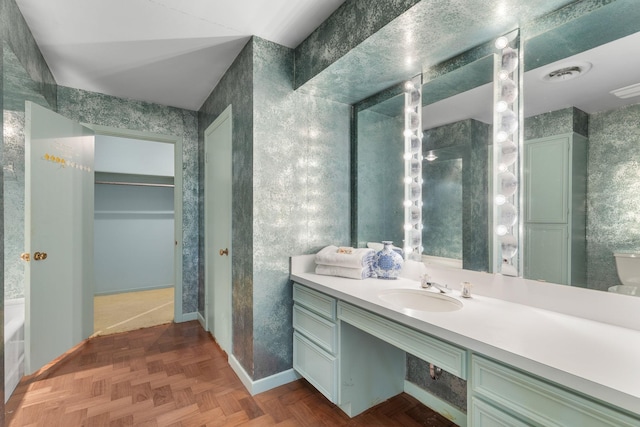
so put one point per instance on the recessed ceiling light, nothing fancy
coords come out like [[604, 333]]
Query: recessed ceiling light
[[627, 91], [564, 72]]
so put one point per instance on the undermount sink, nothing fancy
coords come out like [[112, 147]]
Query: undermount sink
[[420, 300]]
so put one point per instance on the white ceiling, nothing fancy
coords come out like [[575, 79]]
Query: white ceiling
[[614, 65], [170, 52]]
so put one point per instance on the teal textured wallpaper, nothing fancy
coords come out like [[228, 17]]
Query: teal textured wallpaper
[[301, 193], [235, 88], [613, 199]]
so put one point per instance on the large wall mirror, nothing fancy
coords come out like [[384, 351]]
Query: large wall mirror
[[581, 153], [456, 148]]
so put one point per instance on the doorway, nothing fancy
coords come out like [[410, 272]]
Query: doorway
[[133, 234], [138, 230], [217, 228]]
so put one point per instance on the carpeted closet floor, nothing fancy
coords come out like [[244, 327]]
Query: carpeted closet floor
[[132, 310]]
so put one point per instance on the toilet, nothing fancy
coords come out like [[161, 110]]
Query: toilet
[[628, 267]]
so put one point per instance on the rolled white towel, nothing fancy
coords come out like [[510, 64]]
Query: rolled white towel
[[358, 258], [350, 273]]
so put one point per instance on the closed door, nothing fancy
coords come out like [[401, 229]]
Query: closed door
[[218, 249], [58, 235]]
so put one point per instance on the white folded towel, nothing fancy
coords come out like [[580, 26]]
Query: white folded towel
[[350, 273], [358, 258]]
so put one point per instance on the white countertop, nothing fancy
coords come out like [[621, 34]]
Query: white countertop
[[597, 359]]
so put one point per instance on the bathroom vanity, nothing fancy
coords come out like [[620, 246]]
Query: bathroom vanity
[[525, 365]]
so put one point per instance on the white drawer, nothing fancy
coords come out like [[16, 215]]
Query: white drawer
[[485, 415], [315, 301], [316, 365], [538, 401], [447, 356], [319, 330]]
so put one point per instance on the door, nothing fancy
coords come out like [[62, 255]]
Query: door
[[58, 235], [218, 229]]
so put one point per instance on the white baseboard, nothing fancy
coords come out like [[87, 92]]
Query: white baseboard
[[440, 406], [202, 321], [187, 317], [264, 384]]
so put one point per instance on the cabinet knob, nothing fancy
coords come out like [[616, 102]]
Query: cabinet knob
[[224, 251], [25, 256]]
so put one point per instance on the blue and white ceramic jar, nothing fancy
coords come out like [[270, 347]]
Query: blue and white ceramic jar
[[387, 262]]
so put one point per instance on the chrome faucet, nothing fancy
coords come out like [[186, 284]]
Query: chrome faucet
[[443, 289]]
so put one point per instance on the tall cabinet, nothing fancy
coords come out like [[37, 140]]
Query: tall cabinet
[[554, 202]]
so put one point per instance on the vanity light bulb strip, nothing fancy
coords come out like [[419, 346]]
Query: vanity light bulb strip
[[506, 142], [413, 169]]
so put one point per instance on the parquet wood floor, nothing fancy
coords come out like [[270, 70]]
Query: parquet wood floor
[[176, 375]]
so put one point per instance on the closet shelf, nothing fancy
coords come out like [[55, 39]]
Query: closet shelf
[[134, 212]]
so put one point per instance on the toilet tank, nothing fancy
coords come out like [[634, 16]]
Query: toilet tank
[[628, 266]]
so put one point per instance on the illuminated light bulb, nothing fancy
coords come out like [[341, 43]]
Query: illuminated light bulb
[[501, 106], [416, 239], [408, 250], [409, 110], [509, 60], [502, 42], [414, 120], [407, 156], [509, 91], [508, 183], [407, 133], [407, 227], [508, 246], [508, 153], [416, 144], [431, 156], [501, 230], [508, 121], [408, 180], [503, 75], [500, 199], [508, 215], [414, 97], [416, 191], [502, 136], [407, 203], [416, 167], [502, 167], [409, 86]]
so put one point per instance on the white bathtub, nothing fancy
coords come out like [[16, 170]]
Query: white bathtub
[[13, 344]]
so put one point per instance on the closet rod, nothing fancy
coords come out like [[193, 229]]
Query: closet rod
[[139, 184]]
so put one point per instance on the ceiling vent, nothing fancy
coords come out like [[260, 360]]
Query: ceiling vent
[[627, 91], [566, 72]]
